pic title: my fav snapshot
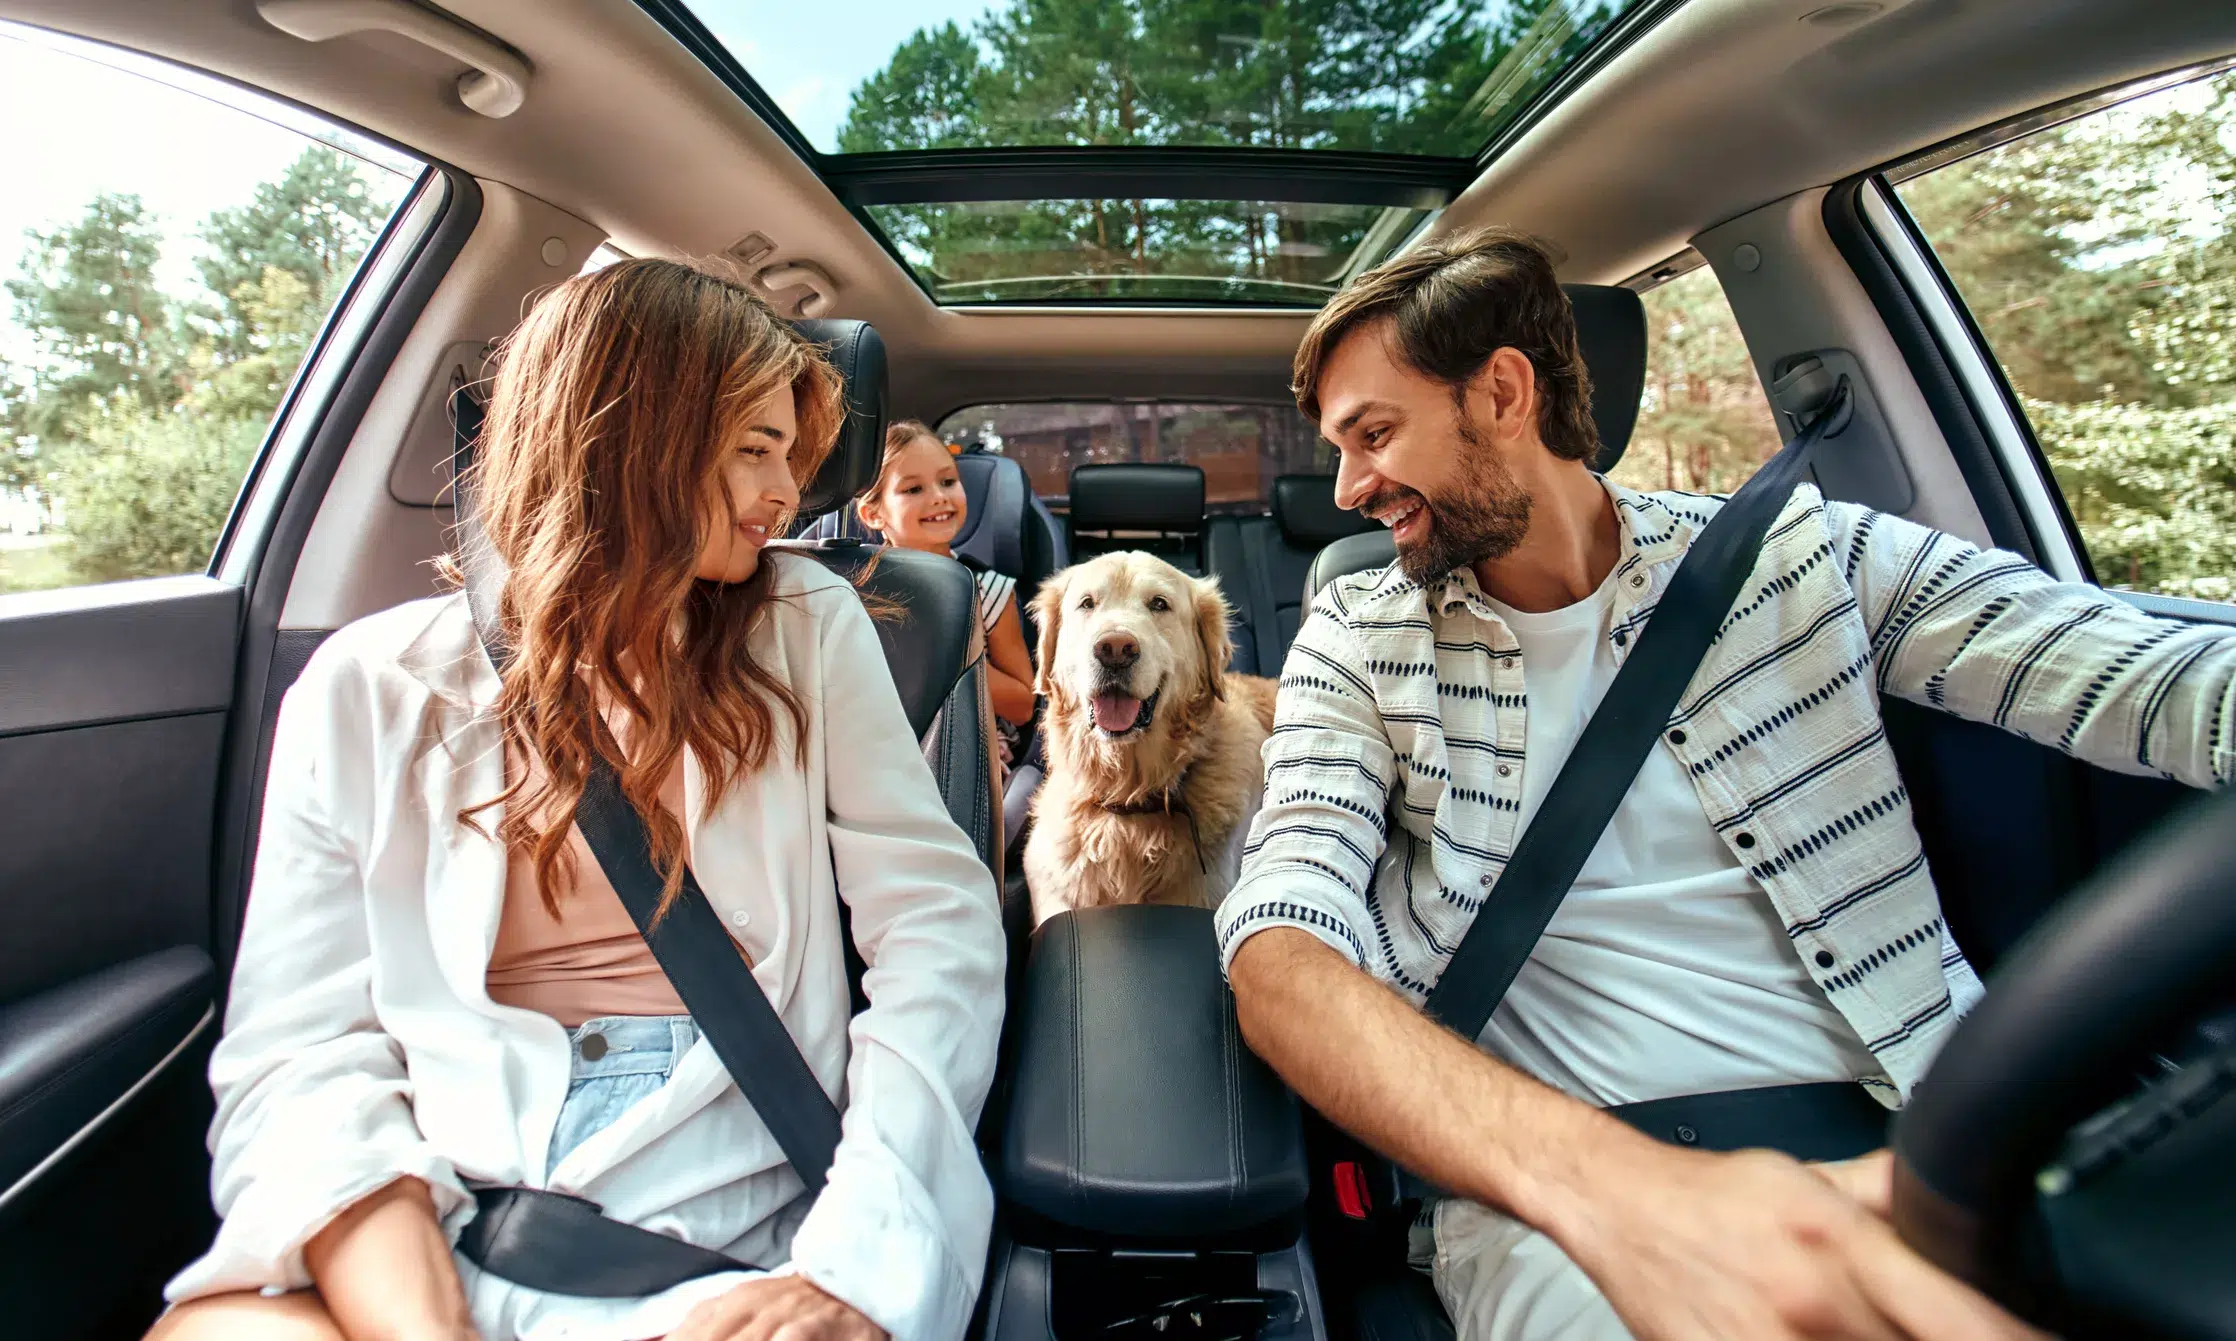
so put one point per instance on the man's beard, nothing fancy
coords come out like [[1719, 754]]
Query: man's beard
[[1483, 517]]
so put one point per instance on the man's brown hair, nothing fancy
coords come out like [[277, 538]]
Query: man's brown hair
[[1454, 302]]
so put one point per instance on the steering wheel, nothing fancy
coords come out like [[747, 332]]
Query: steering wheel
[[2127, 1225]]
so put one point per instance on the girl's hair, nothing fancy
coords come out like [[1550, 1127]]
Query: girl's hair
[[899, 435], [613, 403]]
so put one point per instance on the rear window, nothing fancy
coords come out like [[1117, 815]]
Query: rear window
[[1241, 448]]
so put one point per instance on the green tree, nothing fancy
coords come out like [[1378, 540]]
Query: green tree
[[314, 222], [106, 335]]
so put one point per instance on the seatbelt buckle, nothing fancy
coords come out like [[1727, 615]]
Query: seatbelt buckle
[[1352, 1195]]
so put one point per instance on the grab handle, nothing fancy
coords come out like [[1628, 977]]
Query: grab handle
[[495, 87]]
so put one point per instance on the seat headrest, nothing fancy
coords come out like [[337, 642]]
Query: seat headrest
[[1611, 332], [857, 351], [1304, 508], [1133, 496]]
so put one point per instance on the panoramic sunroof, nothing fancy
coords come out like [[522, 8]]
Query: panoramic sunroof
[[1216, 151]]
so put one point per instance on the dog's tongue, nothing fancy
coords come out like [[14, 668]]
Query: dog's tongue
[[1117, 713]]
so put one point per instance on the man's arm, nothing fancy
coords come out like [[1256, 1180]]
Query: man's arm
[[1987, 636], [1685, 1245]]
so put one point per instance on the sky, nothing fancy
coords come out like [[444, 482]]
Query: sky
[[791, 50], [75, 127]]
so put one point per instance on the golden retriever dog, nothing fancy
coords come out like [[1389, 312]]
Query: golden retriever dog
[[1153, 748]]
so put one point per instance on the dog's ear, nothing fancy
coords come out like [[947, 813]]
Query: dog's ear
[[1048, 612], [1211, 631]]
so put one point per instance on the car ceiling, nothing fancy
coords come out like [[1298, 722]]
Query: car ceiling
[[1720, 107]]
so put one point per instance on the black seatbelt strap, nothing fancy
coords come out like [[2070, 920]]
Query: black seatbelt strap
[[1607, 757]]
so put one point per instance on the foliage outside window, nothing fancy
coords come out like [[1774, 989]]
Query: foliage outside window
[[143, 354], [2099, 260], [1704, 424], [1241, 448]]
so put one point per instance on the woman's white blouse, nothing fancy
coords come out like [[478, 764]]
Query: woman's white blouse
[[361, 1044]]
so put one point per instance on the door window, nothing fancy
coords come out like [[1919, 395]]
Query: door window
[[2098, 261], [1704, 424], [169, 250]]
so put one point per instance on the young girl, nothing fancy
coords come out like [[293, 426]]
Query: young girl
[[438, 988], [917, 501]]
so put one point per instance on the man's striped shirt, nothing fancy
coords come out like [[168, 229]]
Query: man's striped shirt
[[1394, 772]]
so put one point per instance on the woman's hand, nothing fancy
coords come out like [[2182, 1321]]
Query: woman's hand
[[760, 1308], [384, 1270]]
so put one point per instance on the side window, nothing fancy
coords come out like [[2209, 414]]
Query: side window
[[1704, 424], [2098, 260], [169, 251], [1240, 447]]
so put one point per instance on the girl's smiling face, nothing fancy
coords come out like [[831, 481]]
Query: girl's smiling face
[[919, 503]]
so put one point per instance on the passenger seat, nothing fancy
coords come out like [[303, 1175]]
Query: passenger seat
[[1261, 564]]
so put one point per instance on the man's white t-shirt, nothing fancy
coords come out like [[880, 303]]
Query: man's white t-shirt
[[1666, 970]]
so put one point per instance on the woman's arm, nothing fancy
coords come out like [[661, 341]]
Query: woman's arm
[[1009, 669], [384, 1269], [313, 1114], [900, 1231]]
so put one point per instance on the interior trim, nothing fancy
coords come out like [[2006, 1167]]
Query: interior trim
[[2005, 430], [118, 1105]]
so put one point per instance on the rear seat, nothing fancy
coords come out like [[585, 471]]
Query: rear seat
[[1156, 507], [1261, 564]]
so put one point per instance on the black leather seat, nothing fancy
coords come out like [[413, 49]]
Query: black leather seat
[[928, 650], [1261, 564], [1611, 331], [1153, 506]]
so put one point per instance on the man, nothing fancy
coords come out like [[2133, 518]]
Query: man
[[1757, 914]]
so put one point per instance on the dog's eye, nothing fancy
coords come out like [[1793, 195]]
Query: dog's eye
[[1086, 602], [1159, 604]]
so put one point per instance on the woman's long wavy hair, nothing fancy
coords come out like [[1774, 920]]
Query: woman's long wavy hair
[[595, 481]]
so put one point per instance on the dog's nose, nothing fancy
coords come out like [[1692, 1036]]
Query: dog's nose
[[1117, 650]]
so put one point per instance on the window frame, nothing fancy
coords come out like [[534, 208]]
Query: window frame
[[1865, 209]]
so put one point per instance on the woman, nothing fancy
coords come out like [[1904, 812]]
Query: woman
[[917, 502], [437, 987]]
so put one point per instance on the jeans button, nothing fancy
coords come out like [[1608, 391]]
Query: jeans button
[[593, 1047], [1687, 1136]]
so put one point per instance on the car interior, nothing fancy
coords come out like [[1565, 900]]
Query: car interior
[[1152, 1177]]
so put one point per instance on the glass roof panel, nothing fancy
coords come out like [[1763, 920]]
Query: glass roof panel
[[1172, 251], [1423, 77]]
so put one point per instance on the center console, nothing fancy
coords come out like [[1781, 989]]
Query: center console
[[1151, 1169]]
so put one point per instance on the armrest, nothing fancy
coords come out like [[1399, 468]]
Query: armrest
[[68, 1054], [1136, 1110]]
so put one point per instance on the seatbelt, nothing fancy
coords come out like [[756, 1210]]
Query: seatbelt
[[1614, 744], [564, 1245]]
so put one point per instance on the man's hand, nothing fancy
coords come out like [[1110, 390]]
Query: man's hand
[[760, 1308], [1693, 1246]]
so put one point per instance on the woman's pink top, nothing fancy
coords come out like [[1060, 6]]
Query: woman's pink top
[[590, 961]]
